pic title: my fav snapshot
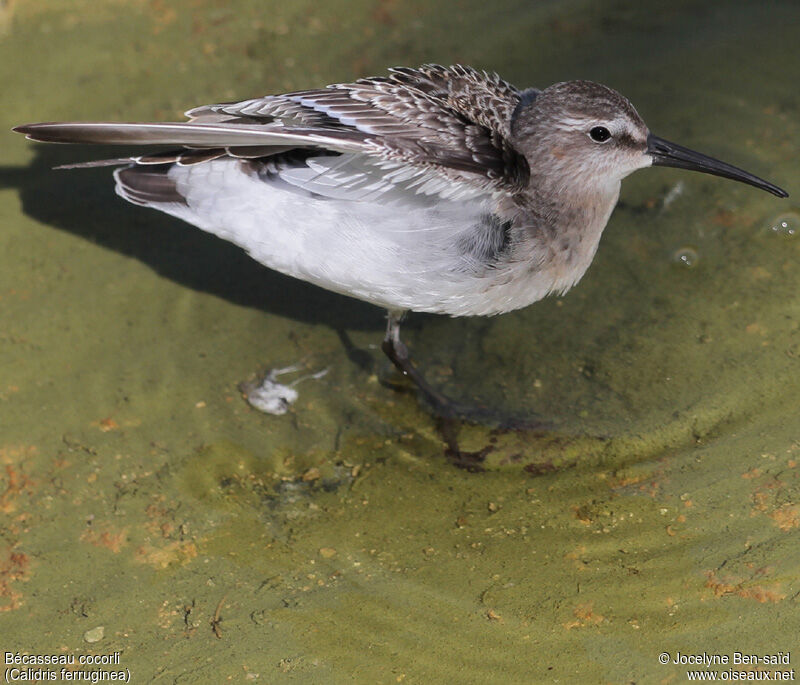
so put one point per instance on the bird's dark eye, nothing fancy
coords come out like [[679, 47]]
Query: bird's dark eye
[[599, 134]]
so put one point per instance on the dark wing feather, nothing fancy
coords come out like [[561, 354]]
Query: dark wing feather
[[452, 121], [456, 118]]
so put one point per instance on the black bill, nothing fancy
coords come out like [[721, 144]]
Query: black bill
[[665, 153]]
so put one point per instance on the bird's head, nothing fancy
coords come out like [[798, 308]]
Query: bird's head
[[581, 134]]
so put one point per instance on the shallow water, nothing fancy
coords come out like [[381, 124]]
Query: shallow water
[[336, 543]]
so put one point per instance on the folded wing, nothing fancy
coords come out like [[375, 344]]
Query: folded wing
[[433, 131]]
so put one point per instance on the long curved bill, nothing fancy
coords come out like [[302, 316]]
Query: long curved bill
[[665, 153]]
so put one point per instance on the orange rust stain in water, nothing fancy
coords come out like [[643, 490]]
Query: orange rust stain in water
[[584, 616], [177, 552], [14, 567], [107, 424], [16, 480], [786, 517], [110, 539], [722, 587]]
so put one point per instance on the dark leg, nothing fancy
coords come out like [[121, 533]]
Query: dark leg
[[396, 350], [398, 353], [448, 412], [445, 408]]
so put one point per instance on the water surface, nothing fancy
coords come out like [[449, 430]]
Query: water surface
[[336, 543]]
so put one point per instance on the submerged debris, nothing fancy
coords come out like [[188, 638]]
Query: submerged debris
[[673, 194], [272, 397]]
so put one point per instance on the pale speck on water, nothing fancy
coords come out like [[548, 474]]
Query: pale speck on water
[[686, 256], [787, 224], [94, 634]]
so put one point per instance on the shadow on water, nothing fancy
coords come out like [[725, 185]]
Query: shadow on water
[[83, 203]]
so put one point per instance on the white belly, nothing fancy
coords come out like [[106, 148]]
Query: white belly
[[394, 256]]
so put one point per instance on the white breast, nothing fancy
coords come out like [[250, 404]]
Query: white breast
[[401, 255]]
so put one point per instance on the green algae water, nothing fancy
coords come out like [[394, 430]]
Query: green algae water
[[149, 512]]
